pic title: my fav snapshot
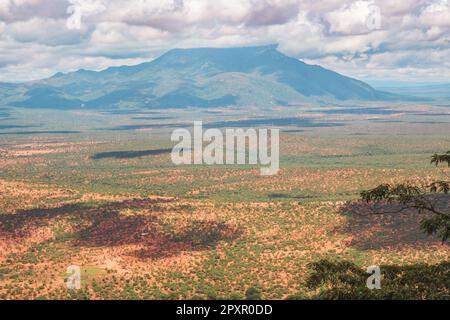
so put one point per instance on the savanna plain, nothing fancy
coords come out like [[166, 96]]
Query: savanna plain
[[98, 189]]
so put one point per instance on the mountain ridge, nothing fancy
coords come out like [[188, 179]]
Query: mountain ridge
[[197, 77]]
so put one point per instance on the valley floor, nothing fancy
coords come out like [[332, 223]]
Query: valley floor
[[142, 228]]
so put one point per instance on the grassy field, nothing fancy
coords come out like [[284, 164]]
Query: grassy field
[[98, 190]]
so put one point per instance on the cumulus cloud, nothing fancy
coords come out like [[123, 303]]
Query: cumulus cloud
[[363, 38], [268, 12], [44, 31], [355, 18], [19, 10], [83, 8], [436, 14]]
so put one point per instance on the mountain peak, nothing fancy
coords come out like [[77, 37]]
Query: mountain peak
[[215, 53], [269, 47]]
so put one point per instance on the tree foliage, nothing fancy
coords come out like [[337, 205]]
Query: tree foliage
[[441, 158], [337, 279], [431, 199]]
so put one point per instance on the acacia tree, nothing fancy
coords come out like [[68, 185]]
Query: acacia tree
[[428, 198]]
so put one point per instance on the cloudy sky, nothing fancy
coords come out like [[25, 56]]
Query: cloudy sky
[[405, 40]]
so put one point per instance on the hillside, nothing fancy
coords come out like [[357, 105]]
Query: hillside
[[203, 77]]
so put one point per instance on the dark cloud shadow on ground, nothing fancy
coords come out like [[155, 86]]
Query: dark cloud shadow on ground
[[385, 225], [105, 226], [129, 154]]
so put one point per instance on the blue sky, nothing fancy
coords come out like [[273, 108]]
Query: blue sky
[[406, 40]]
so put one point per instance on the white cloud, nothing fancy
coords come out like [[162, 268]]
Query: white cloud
[[44, 31], [80, 9], [436, 14], [35, 40], [352, 18], [5, 7]]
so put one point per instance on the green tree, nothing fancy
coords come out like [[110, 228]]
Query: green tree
[[253, 293], [431, 199]]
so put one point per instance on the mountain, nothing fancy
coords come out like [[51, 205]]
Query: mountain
[[203, 77]]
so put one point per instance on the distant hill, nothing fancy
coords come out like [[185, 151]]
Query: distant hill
[[203, 77], [439, 91]]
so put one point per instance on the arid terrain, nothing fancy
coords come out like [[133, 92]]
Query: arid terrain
[[112, 202]]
